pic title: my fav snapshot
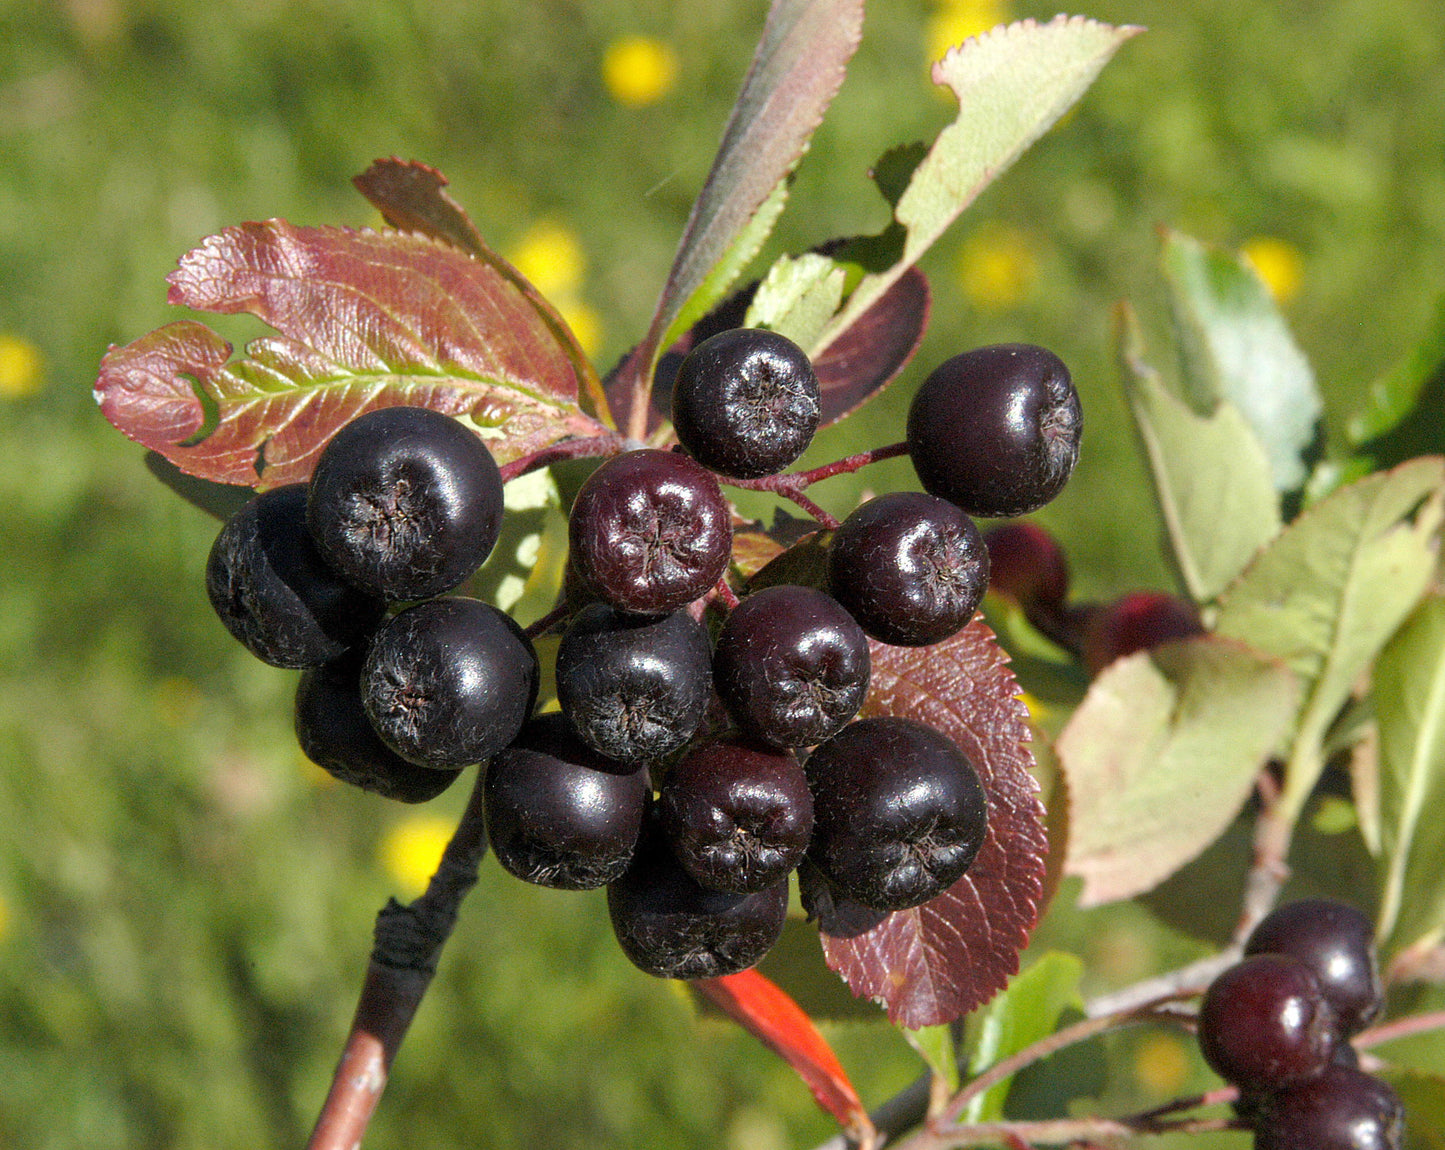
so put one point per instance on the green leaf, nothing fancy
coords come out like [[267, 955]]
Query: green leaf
[[1423, 1096], [937, 1047], [1210, 475], [1410, 710], [1401, 414], [1234, 345], [797, 297], [1025, 1012], [1161, 755], [1012, 84], [1328, 593]]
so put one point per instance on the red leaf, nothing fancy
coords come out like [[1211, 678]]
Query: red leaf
[[875, 348], [365, 320], [937, 962], [761, 1007]]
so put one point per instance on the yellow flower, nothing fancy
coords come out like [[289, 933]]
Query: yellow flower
[[1161, 1065], [411, 849], [585, 323], [551, 257], [957, 20], [21, 367], [997, 267], [639, 70], [1278, 263]]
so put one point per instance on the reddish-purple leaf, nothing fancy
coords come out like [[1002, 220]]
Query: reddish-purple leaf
[[937, 962], [365, 320]]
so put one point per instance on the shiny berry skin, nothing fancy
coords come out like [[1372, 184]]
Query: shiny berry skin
[[791, 665], [558, 814], [910, 568], [738, 816], [1340, 1109], [274, 593], [899, 813], [996, 430], [670, 927], [1335, 941], [746, 403], [1264, 1023], [1134, 622], [449, 682], [650, 532], [336, 735], [405, 503], [635, 687], [1027, 565]]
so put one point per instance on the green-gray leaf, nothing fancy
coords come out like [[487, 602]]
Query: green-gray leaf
[[1234, 345], [797, 297], [1161, 755], [1210, 475]]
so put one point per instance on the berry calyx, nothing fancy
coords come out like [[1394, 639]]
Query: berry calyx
[[405, 503], [746, 402], [996, 430]]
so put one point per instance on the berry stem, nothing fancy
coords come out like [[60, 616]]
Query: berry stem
[[541, 626], [582, 448], [408, 941], [850, 463], [1401, 1028], [725, 595], [791, 485]]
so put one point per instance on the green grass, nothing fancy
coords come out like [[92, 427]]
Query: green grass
[[188, 915]]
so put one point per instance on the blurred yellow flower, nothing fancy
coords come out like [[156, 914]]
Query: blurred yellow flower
[[585, 323], [1278, 262], [957, 20], [21, 367], [639, 70], [1161, 1064], [550, 255], [411, 849], [997, 267]]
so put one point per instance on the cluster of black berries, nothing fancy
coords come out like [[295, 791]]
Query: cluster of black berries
[[700, 754], [1278, 1024]]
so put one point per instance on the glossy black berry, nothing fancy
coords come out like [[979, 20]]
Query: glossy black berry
[[1335, 941], [746, 402], [274, 593], [738, 816], [671, 927], [1340, 1109], [650, 532], [449, 682], [635, 687], [910, 568], [336, 735], [791, 665], [1264, 1023], [405, 502], [558, 814], [996, 430], [899, 813]]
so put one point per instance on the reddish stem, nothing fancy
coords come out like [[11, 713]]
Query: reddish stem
[[541, 626], [725, 594], [1401, 1028], [582, 448]]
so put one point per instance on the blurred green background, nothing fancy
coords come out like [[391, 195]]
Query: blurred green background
[[185, 906]]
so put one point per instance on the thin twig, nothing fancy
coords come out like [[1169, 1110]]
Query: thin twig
[[582, 448]]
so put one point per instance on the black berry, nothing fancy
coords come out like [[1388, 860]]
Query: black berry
[[635, 687], [746, 402], [650, 532], [996, 430], [910, 568], [1335, 941], [791, 665], [738, 816], [1340, 1109], [1134, 622], [899, 813], [557, 813], [405, 502], [449, 682], [274, 593]]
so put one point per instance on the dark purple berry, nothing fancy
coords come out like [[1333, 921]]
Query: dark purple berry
[[671, 927], [558, 814], [791, 665], [335, 734], [1138, 621], [746, 402], [996, 430], [405, 502], [738, 816], [274, 593], [1027, 565], [449, 682], [635, 687], [911, 568], [650, 532], [1265, 1023], [899, 813], [1335, 941], [1340, 1109]]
